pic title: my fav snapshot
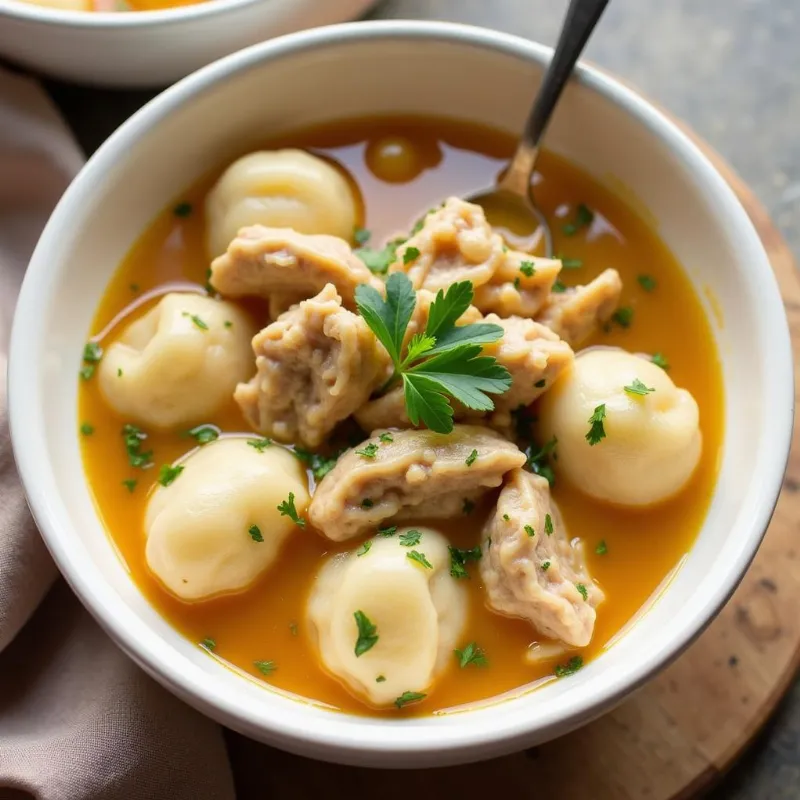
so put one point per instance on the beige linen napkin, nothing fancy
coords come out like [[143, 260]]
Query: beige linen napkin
[[78, 720]]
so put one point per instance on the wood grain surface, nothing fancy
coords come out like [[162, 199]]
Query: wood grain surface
[[675, 737]]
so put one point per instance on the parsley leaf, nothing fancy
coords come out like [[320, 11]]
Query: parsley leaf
[[647, 282], [582, 590], [548, 524], [471, 458], [415, 555], [602, 548], [637, 387], [409, 697], [570, 668], [265, 667], [319, 465], [369, 451], [208, 643], [443, 362], [133, 438], [390, 531], [367, 633], [410, 539], [527, 268], [539, 459], [529, 530], [130, 484], [545, 566], [203, 434], [168, 473], [364, 549], [410, 254], [361, 235], [471, 654], [460, 558], [260, 444], [196, 320], [584, 216], [660, 361], [623, 316], [386, 438], [570, 263], [255, 533], [87, 429], [559, 287], [287, 509], [597, 432], [92, 352], [378, 260]]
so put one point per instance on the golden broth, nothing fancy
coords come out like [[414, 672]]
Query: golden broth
[[266, 622]]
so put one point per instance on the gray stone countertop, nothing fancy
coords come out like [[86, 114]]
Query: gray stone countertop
[[731, 69]]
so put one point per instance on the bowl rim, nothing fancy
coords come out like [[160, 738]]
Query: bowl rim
[[339, 739], [118, 20]]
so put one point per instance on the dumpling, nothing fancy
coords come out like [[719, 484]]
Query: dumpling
[[531, 569], [279, 189], [178, 363], [409, 475], [217, 527], [405, 592], [646, 430]]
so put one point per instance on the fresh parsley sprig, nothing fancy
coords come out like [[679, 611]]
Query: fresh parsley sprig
[[444, 362]]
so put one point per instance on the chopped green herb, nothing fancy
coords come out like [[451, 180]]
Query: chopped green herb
[[370, 451], [571, 263], [559, 287], [460, 558], [545, 566], [182, 210], [527, 268], [386, 438], [582, 590], [409, 697], [130, 484], [468, 506], [517, 284], [367, 633], [203, 434], [415, 555], [602, 548], [506, 517], [367, 503], [647, 282], [260, 444], [319, 465], [583, 218], [361, 235], [570, 668], [364, 549], [208, 287], [168, 473], [119, 372], [452, 368], [379, 260], [471, 458], [255, 533], [660, 361], [637, 387], [410, 539], [228, 323], [133, 438], [208, 643], [92, 352], [87, 429], [540, 384], [287, 509], [196, 320], [548, 524], [380, 679], [410, 254], [623, 316], [391, 531], [471, 654], [529, 530], [86, 371], [265, 667], [539, 459], [597, 432]]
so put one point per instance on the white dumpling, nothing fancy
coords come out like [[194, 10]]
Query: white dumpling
[[201, 539], [418, 613], [178, 363], [279, 189], [652, 438]]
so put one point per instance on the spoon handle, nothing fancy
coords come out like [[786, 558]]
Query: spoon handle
[[579, 22]]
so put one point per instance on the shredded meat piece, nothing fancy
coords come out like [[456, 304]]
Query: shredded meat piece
[[576, 313], [513, 570], [316, 364], [456, 243], [418, 474], [291, 266]]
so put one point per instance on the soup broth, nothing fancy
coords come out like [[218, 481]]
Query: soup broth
[[631, 552]]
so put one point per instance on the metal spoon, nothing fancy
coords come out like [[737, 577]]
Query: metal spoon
[[511, 200]]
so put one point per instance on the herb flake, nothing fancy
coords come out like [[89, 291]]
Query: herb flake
[[287, 509], [597, 432], [367, 633], [471, 654]]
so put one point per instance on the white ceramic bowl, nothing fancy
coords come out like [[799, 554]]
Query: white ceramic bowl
[[152, 48], [373, 68]]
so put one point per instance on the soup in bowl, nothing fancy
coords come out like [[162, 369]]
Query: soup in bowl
[[341, 466]]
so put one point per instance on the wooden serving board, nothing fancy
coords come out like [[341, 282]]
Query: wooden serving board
[[677, 735]]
